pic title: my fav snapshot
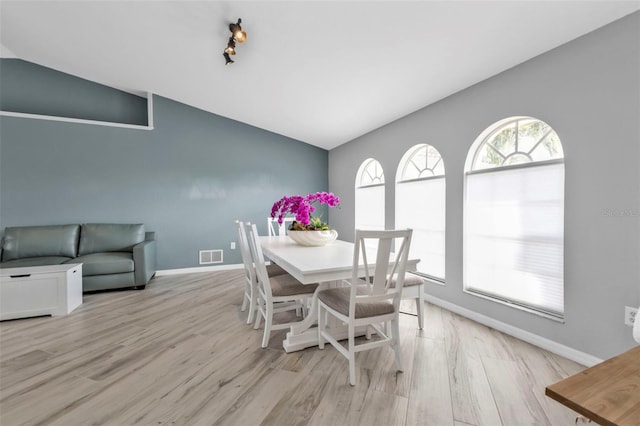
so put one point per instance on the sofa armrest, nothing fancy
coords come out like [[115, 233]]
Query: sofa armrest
[[144, 260]]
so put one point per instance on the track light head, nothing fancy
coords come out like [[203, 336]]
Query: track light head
[[237, 35], [227, 59]]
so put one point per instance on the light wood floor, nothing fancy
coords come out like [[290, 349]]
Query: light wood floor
[[179, 353]]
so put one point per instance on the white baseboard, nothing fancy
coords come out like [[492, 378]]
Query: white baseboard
[[539, 341], [198, 269]]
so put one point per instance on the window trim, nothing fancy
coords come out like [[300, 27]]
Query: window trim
[[516, 166], [421, 179], [516, 305], [407, 158], [364, 166], [488, 133], [435, 280], [370, 186]]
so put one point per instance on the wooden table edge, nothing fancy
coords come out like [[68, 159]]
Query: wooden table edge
[[577, 408]]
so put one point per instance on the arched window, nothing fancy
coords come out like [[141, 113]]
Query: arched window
[[514, 216], [420, 205], [370, 196]]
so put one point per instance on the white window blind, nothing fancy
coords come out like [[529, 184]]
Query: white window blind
[[370, 207], [420, 205], [370, 196], [513, 235]]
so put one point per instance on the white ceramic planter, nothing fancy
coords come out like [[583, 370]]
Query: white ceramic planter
[[313, 238]]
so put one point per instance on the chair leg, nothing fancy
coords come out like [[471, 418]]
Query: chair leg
[[352, 356], [268, 320], [245, 298], [253, 307], [322, 324], [256, 325], [420, 307], [395, 329], [259, 314]]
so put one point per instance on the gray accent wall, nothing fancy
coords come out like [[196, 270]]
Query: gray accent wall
[[188, 179], [588, 90]]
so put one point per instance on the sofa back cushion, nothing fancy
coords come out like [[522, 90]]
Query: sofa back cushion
[[106, 237], [38, 241]]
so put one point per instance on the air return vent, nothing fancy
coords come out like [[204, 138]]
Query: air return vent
[[208, 257]]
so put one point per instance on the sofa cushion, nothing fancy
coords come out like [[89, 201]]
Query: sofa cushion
[[110, 237], [35, 261], [106, 282], [40, 241], [105, 263]]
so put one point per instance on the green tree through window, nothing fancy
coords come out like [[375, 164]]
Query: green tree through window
[[523, 140]]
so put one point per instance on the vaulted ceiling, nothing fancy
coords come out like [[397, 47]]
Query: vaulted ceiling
[[323, 72]]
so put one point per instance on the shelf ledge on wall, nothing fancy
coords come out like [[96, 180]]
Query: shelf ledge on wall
[[149, 126]]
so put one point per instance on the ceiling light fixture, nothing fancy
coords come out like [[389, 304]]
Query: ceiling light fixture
[[237, 36]]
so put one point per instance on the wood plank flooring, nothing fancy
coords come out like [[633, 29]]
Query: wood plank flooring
[[180, 353]]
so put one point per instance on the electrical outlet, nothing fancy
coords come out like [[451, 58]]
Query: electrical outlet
[[630, 315], [233, 245]]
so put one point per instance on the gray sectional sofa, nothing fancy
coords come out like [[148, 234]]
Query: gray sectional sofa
[[112, 255]]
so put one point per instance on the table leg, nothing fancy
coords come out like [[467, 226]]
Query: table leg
[[303, 334]]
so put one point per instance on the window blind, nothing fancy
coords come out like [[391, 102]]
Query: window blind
[[514, 235], [370, 207], [420, 205]]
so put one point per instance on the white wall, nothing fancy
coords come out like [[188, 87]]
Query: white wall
[[588, 90]]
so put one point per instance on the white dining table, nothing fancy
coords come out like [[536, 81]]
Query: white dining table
[[325, 265]]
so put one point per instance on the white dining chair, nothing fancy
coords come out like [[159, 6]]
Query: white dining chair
[[275, 229], [369, 299], [250, 298], [278, 293]]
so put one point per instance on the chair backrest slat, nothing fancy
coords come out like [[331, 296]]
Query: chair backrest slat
[[258, 257], [245, 252], [275, 229]]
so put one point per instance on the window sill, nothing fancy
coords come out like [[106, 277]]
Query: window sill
[[517, 306]]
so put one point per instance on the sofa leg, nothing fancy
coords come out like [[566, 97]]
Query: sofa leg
[[139, 287]]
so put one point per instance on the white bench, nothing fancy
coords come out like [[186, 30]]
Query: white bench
[[40, 290]]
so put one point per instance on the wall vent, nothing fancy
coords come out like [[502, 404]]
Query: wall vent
[[208, 257]]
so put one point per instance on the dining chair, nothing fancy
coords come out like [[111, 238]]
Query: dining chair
[[413, 288], [275, 229], [369, 299], [250, 298], [277, 293]]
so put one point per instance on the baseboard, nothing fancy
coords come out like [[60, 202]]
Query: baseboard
[[198, 269], [539, 341]]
